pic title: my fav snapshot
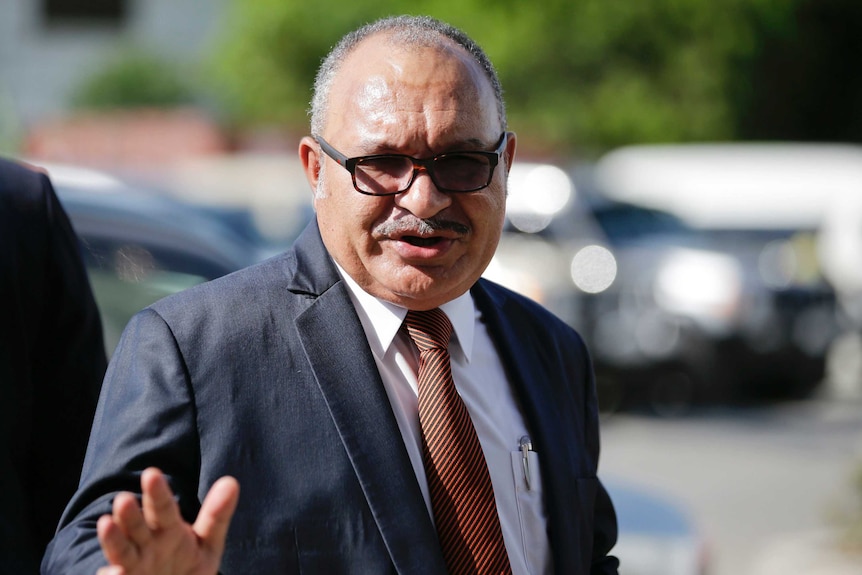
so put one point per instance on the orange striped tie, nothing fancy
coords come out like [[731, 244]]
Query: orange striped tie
[[459, 484]]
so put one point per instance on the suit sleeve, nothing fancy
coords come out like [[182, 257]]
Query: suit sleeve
[[144, 418]]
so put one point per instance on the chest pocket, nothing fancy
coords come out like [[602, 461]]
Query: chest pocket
[[531, 512]]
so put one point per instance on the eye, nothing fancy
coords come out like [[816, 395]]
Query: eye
[[462, 162], [462, 170], [394, 166]]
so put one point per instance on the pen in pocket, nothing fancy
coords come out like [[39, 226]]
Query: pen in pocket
[[526, 447]]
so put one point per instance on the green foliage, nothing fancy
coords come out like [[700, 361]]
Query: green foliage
[[578, 74], [134, 79], [266, 66]]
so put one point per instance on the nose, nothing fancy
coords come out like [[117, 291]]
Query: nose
[[422, 198]]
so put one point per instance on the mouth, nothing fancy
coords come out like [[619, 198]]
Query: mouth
[[422, 248], [422, 242]]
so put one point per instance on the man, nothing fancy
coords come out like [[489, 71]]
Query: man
[[52, 360], [296, 380]]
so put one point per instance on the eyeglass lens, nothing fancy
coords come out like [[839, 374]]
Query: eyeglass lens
[[452, 172]]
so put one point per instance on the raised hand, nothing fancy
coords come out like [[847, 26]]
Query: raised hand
[[154, 538]]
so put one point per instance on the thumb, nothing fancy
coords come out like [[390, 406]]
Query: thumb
[[216, 512]]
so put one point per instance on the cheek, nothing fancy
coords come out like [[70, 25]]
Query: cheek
[[488, 215], [350, 219]]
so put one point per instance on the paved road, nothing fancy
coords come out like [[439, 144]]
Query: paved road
[[753, 478]]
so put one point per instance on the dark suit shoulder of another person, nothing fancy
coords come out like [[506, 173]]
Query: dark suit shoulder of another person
[[52, 360]]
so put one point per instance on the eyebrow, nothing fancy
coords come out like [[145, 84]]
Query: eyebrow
[[468, 145], [475, 142]]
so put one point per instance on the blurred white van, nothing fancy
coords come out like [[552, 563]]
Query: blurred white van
[[815, 188]]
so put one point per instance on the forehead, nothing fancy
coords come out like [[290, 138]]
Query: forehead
[[427, 87]]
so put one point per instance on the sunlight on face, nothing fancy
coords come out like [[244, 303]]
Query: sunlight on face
[[422, 247]]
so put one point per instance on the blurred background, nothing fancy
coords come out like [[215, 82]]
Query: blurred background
[[687, 194]]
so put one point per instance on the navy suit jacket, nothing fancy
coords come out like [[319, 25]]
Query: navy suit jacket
[[266, 375], [52, 360]]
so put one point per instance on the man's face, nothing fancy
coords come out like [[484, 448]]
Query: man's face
[[419, 102]]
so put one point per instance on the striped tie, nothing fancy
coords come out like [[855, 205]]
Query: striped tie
[[459, 484]]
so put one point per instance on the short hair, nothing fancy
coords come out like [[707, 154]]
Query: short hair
[[407, 31]]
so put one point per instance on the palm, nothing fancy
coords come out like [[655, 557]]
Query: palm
[[154, 538]]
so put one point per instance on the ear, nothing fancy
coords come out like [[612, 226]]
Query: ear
[[310, 157], [511, 144]]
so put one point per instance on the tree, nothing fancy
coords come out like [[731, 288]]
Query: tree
[[804, 83], [134, 78], [580, 76]]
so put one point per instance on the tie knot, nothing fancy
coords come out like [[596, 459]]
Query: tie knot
[[429, 329]]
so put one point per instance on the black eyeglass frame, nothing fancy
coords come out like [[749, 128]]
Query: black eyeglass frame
[[426, 164]]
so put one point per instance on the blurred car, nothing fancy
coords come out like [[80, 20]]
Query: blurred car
[[657, 536], [140, 246], [719, 315], [762, 204], [673, 314]]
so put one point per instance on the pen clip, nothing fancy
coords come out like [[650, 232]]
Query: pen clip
[[526, 446]]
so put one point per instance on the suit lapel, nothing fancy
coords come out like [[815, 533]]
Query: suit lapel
[[543, 411], [351, 385]]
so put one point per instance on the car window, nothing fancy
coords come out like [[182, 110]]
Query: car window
[[621, 222], [127, 277], [119, 299]]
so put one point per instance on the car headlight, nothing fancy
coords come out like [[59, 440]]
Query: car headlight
[[705, 286]]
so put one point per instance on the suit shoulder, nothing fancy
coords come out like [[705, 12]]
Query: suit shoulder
[[264, 280], [11, 171], [22, 190], [521, 309]]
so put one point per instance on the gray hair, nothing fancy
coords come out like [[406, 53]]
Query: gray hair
[[406, 31]]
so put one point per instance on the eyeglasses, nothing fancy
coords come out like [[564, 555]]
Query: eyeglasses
[[390, 174]]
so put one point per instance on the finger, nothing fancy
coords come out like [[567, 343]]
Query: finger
[[216, 512], [111, 570], [129, 517], [160, 509], [118, 550]]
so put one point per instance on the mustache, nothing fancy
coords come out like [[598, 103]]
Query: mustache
[[420, 227]]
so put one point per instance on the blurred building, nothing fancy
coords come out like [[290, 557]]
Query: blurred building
[[48, 47]]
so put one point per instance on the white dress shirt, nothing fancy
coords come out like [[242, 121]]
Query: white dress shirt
[[486, 391]]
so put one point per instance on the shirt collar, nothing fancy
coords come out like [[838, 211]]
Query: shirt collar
[[382, 319]]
